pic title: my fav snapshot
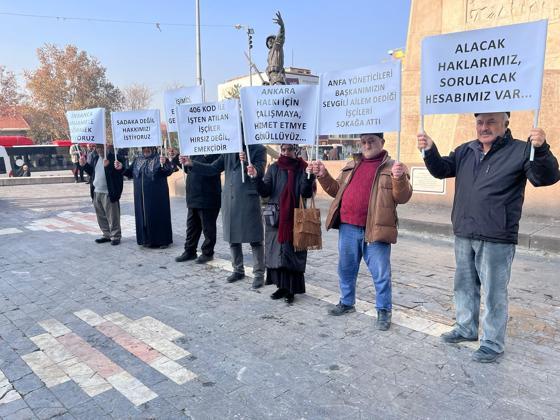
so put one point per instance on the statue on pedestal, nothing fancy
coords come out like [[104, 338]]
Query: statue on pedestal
[[275, 44]]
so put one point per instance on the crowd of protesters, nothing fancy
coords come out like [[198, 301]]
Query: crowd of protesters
[[491, 173]]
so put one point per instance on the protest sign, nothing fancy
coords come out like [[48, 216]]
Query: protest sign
[[486, 70], [173, 98], [87, 125], [362, 100], [279, 114], [136, 128], [208, 128]]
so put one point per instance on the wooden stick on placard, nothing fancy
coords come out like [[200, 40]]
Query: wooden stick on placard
[[535, 125], [423, 152]]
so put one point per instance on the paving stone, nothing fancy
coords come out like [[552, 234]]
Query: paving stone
[[258, 358]]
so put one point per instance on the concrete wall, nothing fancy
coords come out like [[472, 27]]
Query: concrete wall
[[432, 17]]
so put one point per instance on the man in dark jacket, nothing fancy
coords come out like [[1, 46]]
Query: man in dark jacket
[[241, 208], [203, 207], [105, 188], [490, 177]]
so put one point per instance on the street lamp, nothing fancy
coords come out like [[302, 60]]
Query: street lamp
[[250, 31], [397, 53]]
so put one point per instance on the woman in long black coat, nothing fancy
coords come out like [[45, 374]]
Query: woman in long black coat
[[284, 183], [151, 198]]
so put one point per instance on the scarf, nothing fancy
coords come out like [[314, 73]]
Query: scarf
[[288, 197]]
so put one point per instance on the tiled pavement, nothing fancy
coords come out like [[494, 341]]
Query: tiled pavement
[[95, 331]]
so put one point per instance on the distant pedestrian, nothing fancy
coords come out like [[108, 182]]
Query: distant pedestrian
[[152, 209], [24, 171], [75, 154], [285, 182]]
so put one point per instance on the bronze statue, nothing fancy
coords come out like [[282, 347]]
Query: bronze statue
[[275, 68]]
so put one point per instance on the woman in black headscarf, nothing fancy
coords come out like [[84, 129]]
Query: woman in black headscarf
[[284, 183], [151, 198]]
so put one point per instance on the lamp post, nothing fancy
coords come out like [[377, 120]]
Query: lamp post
[[250, 31]]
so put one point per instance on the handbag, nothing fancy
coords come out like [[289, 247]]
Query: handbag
[[307, 227], [271, 214]]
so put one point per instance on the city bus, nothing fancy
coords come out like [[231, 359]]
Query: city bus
[[15, 151]]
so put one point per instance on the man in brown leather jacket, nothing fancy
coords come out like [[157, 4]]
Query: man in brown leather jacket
[[366, 194]]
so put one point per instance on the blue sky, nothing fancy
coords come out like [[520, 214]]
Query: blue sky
[[322, 35]]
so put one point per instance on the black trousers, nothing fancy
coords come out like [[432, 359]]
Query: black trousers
[[201, 221], [78, 170]]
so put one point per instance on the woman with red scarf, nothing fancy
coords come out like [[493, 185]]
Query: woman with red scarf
[[284, 183]]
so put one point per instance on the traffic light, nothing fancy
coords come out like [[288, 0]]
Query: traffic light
[[250, 41]]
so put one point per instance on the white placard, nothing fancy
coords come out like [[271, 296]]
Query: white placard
[[209, 128], [423, 182], [279, 114], [87, 125], [173, 98], [362, 100], [486, 70], [136, 128]]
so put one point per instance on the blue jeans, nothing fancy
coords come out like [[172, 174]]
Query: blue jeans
[[487, 264], [377, 255]]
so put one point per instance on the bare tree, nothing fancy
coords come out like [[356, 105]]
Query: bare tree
[[137, 96], [233, 92]]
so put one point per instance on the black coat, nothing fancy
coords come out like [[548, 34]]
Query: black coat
[[202, 191], [152, 210], [114, 177], [489, 190], [279, 255]]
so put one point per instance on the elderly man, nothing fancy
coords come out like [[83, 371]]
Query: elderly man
[[491, 173], [105, 188], [366, 194]]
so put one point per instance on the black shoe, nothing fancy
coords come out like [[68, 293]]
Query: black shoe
[[279, 294], [383, 319], [258, 282], [203, 259], [115, 241], [289, 299], [453, 336], [341, 309], [185, 256], [234, 277], [102, 240], [485, 355]]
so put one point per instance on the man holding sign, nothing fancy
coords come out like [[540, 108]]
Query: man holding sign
[[366, 194], [491, 173], [241, 207], [105, 188]]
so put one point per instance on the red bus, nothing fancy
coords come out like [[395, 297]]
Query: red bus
[[15, 151]]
